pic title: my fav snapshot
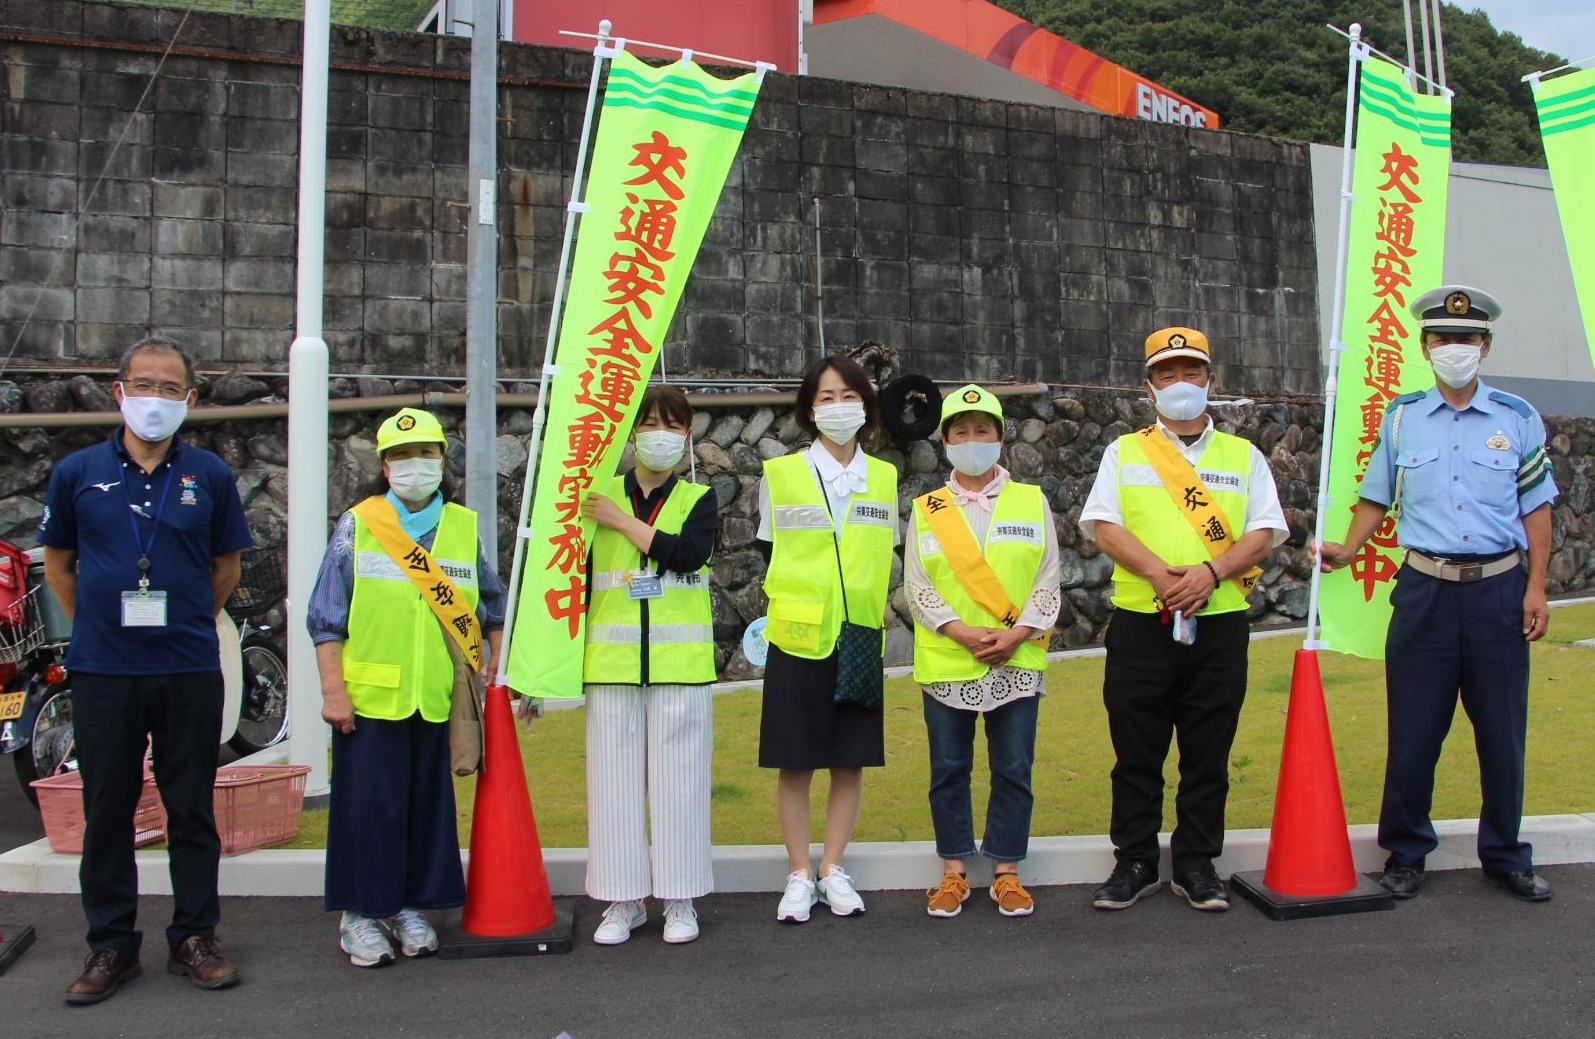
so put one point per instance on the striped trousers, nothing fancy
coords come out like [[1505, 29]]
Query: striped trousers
[[648, 758]]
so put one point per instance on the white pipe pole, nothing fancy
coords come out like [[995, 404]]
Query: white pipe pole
[[1337, 326], [573, 210], [1423, 22], [1406, 13], [307, 408], [481, 282], [1439, 47]]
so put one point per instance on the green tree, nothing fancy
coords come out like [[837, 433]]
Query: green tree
[[1272, 67]]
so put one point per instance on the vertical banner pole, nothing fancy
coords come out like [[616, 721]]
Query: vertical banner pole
[[308, 366], [481, 282], [573, 210], [1357, 52]]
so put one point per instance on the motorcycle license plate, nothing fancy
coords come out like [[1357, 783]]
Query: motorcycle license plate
[[11, 705]]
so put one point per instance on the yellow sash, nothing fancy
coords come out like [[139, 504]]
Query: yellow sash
[[967, 560], [1193, 500], [437, 590]]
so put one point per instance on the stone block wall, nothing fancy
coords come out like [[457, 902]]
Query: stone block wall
[[979, 239], [1054, 439]]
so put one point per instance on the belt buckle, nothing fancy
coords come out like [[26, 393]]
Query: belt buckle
[[1470, 572]]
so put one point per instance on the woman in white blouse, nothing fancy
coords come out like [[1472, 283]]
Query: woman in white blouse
[[982, 574]]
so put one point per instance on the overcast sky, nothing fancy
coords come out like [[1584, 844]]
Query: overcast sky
[[1565, 27]]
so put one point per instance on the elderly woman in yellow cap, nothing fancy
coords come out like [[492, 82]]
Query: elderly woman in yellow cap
[[981, 571], [403, 578]]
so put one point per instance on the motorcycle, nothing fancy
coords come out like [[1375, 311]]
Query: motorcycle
[[36, 687]]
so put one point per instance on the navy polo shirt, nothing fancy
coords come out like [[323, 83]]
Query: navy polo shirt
[[102, 506]]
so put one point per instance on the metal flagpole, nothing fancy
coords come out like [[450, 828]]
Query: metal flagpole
[[481, 281], [1423, 22], [1358, 54], [573, 210], [1406, 14], [1439, 47], [307, 407]]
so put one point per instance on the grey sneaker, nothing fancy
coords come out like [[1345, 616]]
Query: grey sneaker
[[413, 934], [362, 938]]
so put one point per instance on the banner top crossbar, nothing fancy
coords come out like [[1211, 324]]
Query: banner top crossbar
[[686, 53], [1414, 73], [1533, 77]]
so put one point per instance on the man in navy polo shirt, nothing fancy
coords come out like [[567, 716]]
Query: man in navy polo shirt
[[141, 540]]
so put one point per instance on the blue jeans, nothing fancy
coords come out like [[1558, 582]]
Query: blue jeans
[[1011, 749]]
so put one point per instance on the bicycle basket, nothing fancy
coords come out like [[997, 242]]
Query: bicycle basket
[[262, 582], [21, 628]]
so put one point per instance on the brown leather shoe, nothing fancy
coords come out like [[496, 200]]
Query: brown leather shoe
[[103, 972], [200, 959]]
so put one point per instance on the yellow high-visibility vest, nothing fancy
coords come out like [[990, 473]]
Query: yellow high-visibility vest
[[803, 583], [680, 622], [1014, 545], [1152, 516], [395, 661]]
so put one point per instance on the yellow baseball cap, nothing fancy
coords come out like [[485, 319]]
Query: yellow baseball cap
[[1168, 343], [970, 398], [410, 426]]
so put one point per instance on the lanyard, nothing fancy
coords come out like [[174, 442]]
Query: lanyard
[[143, 544], [636, 510]]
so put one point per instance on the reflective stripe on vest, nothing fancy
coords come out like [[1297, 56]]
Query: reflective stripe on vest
[[395, 661], [680, 622], [1015, 542], [1150, 514], [802, 582]]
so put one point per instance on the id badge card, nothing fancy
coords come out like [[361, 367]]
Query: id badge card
[[643, 585], [144, 609]]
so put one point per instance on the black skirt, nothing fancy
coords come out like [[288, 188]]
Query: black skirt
[[803, 727]]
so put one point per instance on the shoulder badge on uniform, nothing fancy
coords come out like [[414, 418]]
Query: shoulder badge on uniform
[[1405, 398], [1516, 403]]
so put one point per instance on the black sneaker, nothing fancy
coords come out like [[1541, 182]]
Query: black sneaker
[[1521, 883], [1401, 880], [1128, 884], [1201, 887]]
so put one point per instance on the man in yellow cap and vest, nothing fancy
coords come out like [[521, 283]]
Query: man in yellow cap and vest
[[981, 572], [405, 601], [1186, 513]]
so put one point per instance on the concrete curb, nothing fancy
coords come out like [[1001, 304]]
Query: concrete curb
[[35, 869]]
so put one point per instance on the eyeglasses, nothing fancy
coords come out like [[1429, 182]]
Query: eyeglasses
[[145, 388]]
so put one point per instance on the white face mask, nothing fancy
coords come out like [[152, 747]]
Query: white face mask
[[415, 479], [973, 457], [1180, 401], [660, 449], [840, 421], [1456, 364], [153, 418]]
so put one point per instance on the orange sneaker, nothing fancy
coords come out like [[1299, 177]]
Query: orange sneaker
[[1011, 897], [949, 899]]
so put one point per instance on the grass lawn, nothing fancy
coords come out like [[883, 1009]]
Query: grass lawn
[[1073, 755]]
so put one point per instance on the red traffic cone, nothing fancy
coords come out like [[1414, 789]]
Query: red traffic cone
[[1309, 871], [507, 889]]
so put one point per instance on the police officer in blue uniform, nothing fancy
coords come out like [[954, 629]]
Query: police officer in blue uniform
[[1464, 468]]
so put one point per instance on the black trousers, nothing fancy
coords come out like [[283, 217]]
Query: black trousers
[[113, 717], [1154, 689]]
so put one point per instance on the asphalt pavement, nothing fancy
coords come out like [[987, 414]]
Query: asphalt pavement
[[1461, 960]]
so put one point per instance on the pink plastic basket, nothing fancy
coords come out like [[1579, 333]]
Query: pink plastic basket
[[61, 805], [258, 805]]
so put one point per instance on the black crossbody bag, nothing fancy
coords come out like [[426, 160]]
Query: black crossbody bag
[[860, 680]]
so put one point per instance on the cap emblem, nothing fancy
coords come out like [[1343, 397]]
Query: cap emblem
[[1458, 303], [1176, 341], [405, 423], [971, 396]]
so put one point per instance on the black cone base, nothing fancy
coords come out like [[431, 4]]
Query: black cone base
[[1366, 897], [457, 944], [14, 941]]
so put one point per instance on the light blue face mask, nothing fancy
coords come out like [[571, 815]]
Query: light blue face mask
[[973, 457], [1181, 401]]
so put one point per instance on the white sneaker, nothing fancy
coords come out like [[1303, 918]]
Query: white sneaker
[[836, 890], [413, 934], [620, 919], [681, 921], [362, 938], [798, 900]]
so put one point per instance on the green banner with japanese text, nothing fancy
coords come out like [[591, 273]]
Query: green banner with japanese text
[[1397, 251], [665, 142], [1566, 107]]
